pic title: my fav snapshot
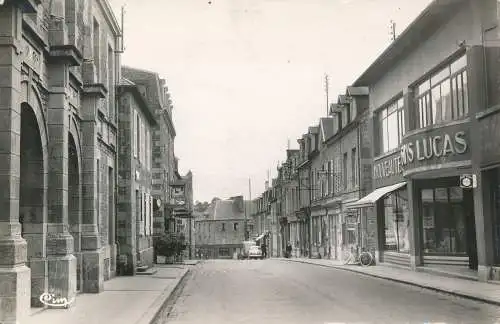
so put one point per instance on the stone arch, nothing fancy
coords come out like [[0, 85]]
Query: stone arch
[[31, 96], [33, 186], [75, 193]]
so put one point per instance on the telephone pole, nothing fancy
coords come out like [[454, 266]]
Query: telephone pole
[[326, 91], [393, 30]]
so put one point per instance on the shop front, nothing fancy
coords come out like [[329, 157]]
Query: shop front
[[442, 211], [386, 227]]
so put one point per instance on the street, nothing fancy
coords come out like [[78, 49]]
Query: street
[[273, 291]]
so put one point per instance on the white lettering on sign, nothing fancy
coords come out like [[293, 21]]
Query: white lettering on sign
[[427, 148], [49, 299], [387, 168]]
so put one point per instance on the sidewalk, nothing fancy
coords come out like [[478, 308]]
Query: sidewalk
[[131, 300], [481, 291]]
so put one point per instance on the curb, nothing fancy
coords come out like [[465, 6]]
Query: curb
[[437, 289], [154, 312]]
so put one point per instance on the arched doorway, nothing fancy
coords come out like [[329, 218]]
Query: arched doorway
[[74, 204], [31, 200]]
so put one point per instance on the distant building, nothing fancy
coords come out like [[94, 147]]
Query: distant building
[[222, 235], [135, 202]]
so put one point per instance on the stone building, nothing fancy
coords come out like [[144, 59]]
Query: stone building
[[181, 203], [136, 124], [58, 69], [337, 176], [435, 107], [288, 193], [164, 163], [223, 235]]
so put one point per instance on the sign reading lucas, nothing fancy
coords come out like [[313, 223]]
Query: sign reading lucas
[[433, 147]]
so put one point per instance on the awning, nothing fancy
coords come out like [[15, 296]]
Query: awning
[[370, 199], [260, 237]]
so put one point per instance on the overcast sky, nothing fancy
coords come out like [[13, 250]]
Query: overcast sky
[[246, 76]]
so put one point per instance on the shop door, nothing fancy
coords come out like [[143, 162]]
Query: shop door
[[470, 229]]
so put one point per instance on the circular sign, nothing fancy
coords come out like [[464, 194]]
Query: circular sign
[[466, 182]]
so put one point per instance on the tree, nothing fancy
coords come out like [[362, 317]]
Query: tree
[[171, 245]]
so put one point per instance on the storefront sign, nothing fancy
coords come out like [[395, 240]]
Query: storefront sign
[[431, 147], [387, 168]]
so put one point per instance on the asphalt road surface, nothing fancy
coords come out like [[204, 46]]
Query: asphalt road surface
[[273, 291]]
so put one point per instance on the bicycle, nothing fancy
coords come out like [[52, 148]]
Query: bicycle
[[364, 258]]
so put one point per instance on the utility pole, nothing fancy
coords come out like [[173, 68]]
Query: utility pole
[[247, 234], [392, 30], [326, 91]]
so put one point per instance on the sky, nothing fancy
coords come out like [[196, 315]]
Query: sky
[[247, 77]]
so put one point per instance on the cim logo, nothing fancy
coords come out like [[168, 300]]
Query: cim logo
[[51, 300]]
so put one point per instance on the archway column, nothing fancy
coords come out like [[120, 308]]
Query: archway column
[[91, 247], [14, 274], [60, 258]]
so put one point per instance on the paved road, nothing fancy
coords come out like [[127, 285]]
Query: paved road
[[272, 291]]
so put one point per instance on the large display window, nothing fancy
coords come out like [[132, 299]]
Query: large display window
[[397, 222], [444, 221], [495, 199]]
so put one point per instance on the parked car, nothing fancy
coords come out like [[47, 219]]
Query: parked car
[[255, 252]]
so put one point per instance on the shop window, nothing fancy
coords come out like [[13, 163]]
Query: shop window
[[223, 252], [443, 97], [397, 222], [495, 196], [443, 221], [391, 126]]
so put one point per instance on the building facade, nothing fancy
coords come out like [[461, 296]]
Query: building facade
[[136, 124], [288, 193], [164, 163], [60, 64], [222, 236], [434, 107]]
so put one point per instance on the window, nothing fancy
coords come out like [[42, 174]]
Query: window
[[135, 135], [443, 96], [391, 126], [443, 220], [330, 177], [344, 171], [223, 252], [96, 47], [495, 207], [354, 167], [235, 226], [223, 227], [397, 222], [111, 81], [138, 136]]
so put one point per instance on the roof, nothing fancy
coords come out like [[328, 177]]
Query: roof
[[129, 86], [227, 209], [326, 125], [357, 91], [313, 129], [433, 16]]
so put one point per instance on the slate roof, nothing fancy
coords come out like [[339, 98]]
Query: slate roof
[[151, 80], [227, 209], [326, 125], [357, 91]]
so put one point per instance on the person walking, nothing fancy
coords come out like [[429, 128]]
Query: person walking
[[264, 249]]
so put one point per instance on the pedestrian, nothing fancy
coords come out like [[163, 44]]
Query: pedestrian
[[289, 249], [264, 250]]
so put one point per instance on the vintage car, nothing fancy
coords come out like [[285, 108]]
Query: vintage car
[[255, 252]]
